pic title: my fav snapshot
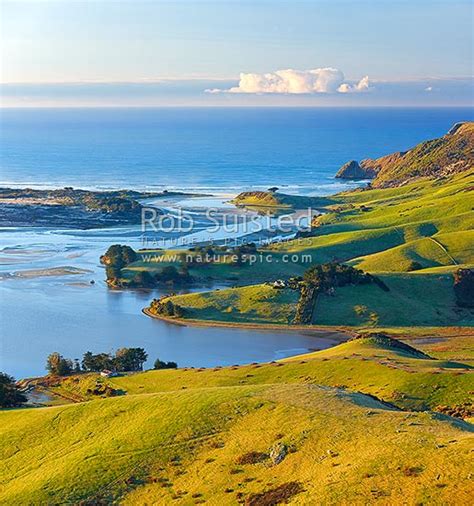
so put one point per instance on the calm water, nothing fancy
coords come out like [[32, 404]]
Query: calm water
[[69, 315], [221, 150], [204, 148]]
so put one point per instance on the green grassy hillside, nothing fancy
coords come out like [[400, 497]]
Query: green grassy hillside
[[251, 304], [193, 436], [447, 155], [430, 222], [414, 299]]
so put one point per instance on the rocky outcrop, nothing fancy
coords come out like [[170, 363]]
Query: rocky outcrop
[[354, 171], [447, 155], [367, 168]]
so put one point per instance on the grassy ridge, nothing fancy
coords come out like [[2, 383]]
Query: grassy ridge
[[447, 154], [181, 435]]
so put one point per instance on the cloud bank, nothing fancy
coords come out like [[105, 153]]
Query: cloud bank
[[296, 82]]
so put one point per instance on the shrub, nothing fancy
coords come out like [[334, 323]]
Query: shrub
[[277, 495], [252, 457]]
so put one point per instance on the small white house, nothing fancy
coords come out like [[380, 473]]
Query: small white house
[[108, 374]]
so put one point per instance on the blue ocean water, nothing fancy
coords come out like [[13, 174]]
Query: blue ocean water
[[227, 148]]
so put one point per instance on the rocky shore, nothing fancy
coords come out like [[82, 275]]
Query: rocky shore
[[74, 208]]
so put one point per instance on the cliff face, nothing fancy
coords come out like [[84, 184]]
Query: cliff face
[[450, 154]]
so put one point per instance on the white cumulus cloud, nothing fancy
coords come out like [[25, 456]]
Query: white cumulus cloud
[[362, 85], [294, 82]]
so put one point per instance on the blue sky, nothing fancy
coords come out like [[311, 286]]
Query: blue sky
[[104, 52]]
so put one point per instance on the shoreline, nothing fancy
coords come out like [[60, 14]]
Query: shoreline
[[337, 333]]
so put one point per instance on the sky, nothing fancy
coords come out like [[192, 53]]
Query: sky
[[236, 53]]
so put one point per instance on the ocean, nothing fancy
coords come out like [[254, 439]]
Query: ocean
[[205, 148], [221, 151]]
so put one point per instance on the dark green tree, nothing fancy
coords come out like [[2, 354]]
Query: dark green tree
[[116, 258], [98, 362], [130, 359], [58, 365], [164, 365], [10, 395]]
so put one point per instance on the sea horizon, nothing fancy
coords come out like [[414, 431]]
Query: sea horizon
[[192, 148]]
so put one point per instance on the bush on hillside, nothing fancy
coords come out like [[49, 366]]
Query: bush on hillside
[[325, 278], [331, 275], [414, 266]]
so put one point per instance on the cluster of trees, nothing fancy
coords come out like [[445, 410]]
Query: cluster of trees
[[464, 287], [169, 275], [124, 359], [166, 307], [10, 394], [116, 258], [305, 305], [331, 275]]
